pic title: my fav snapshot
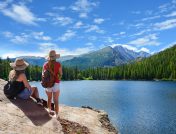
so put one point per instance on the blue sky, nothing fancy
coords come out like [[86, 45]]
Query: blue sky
[[72, 27]]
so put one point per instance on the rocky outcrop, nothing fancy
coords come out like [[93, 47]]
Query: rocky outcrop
[[26, 117], [104, 119]]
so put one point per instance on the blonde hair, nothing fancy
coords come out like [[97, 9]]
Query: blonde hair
[[51, 64], [14, 74]]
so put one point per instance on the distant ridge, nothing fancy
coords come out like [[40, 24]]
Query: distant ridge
[[105, 57]]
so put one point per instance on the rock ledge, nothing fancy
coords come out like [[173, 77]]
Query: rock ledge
[[26, 117]]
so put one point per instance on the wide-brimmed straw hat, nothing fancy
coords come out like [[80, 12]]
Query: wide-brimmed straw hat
[[52, 55], [19, 64]]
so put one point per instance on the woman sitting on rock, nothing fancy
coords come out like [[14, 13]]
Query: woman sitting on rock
[[18, 75]]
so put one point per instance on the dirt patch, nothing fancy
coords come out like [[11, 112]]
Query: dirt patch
[[69, 127]]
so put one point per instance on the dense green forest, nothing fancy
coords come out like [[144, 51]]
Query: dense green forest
[[32, 72], [159, 66]]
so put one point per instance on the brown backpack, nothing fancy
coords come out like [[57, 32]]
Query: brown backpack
[[48, 78]]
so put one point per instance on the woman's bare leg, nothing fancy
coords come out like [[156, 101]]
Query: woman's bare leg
[[56, 101], [35, 93], [49, 94]]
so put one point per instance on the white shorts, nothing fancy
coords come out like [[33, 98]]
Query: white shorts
[[55, 88]]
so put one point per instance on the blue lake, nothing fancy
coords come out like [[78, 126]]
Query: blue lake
[[134, 107]]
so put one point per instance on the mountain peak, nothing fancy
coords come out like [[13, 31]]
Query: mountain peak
[[107, 56], [107, 47]]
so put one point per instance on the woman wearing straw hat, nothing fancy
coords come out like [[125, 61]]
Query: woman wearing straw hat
[[18, 75], [54, 91]]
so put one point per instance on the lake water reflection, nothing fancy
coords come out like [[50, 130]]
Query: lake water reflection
[[135, 107]]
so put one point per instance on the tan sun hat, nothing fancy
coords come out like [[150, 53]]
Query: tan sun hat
[[52, 55], [19, 64]]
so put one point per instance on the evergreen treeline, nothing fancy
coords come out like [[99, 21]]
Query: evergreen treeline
[[4, 68], [158, 66], [32, 72]]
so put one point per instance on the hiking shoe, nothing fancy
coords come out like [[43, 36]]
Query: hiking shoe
[[56, 116], [39, 102], [50, 112]]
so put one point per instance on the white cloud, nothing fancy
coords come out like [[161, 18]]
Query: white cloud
[[151, 18], [135, 49], [122, 33], [136, 12], [125, 46], [67, 35], [167, 7], [42, 19], [21, 39], [40, 36], [4, 4], [145, 50], [62, 20], [17, 39], [20, 13], [80, 51], [171, 14], [83, 15], [130, 47], [119, 34], [62, 8], [46, 47], [141, 32], [164, 7], [77, 51], [58, 19], [24, 37], [95, 28], [78, 24], [98, 20], [89, 44], [146, 40], [167, 24], [137, 26], [83, 7], [7, 34], [14, 54], [26, 1], [109, 39]]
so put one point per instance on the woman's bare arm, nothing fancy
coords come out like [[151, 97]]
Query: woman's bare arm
[[26, 83]]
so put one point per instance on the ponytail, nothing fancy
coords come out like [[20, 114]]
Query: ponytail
[[51, 64]]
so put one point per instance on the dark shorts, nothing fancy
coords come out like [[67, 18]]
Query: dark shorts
[[25, 94]]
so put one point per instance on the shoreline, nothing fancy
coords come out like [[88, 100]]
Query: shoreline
[[19, 117], [174, 80]]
